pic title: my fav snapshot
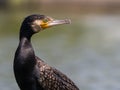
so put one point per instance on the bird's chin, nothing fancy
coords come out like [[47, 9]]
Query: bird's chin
[[36, 29]]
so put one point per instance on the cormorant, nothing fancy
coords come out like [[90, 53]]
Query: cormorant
[[31, 72]]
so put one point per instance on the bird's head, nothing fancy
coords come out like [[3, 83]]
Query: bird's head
[[35, 23]]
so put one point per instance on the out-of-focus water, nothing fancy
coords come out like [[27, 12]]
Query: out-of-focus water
[[91, 58]]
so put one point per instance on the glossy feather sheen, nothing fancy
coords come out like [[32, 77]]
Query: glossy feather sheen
[[31, 72]]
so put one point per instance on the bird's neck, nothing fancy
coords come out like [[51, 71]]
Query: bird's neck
[[25, 42], [25, 52], [26, 47], [25, 35]]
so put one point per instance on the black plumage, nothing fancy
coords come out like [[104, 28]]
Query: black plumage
[[31, 72]]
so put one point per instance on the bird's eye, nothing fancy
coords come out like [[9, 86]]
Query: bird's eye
[[45, 20]]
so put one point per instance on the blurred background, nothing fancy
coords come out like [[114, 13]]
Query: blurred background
[[87, 50]]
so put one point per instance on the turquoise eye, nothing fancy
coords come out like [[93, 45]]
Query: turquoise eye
[[45, 20]]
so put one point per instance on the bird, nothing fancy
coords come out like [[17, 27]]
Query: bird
[[32, 73]]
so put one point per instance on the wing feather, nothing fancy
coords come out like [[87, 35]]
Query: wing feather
[[52, 79]]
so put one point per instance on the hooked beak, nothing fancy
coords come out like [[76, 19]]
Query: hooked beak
[[55, 22], [59, 22]]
